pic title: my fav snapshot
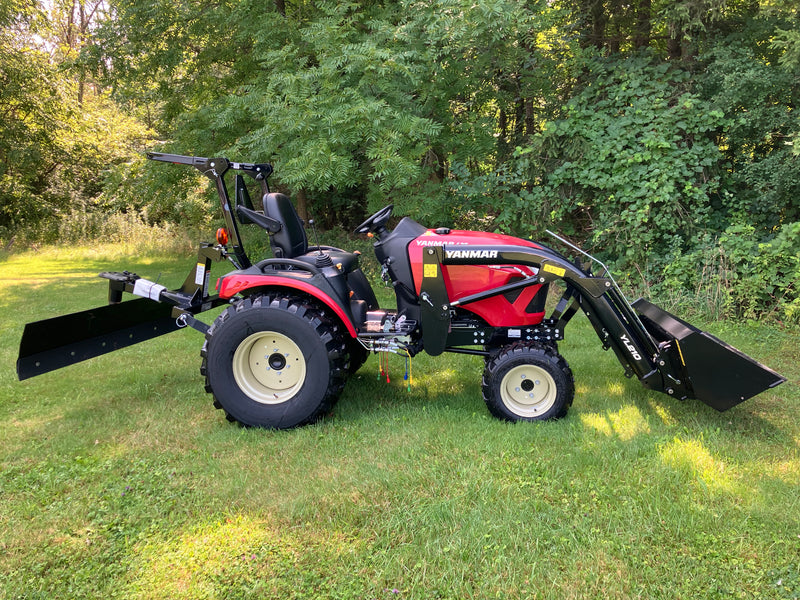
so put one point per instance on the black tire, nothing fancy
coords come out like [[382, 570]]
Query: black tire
[[358, 356], [274, 362], [528, 382]]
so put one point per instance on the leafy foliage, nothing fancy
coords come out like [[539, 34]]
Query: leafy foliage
[[632, 163], [33, 110], [757, 93], [54, 145], [359, 99], [737, 274], [650, 131], [333, 103]]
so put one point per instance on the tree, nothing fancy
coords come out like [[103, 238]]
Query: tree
[[630, 168], [757, 87], [351, 101], [33, 112], [55, 144], [641, 126], [71, 23]]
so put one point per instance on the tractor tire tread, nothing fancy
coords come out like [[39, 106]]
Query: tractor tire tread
[[519, 350], [330, 332]]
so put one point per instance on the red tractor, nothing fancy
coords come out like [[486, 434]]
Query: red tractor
[[300, 323]]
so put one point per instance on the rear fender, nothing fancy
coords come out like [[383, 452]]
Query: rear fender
[[312, 284]]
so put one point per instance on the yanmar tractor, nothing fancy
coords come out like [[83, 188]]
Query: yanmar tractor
[[298, 324]]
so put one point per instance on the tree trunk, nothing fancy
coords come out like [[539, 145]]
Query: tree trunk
[[530, 118], [674, 45], [641, 37], [519, 122], [598, 22], [434, 161], [502, 138], [302, 204]]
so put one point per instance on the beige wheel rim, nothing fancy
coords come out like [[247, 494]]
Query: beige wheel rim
[[269, 367], [528, 390]]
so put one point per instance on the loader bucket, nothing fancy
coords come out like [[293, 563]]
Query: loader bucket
[[718, 374], [61, 341]]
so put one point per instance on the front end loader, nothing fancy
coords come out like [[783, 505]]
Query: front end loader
[[297, 325]]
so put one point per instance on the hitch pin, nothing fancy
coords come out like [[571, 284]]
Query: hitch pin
[[187, 320]]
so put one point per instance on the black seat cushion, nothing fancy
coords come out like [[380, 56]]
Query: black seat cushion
[[291, 240]]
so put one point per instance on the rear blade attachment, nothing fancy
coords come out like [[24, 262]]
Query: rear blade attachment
[[716, 373], [62, 341]]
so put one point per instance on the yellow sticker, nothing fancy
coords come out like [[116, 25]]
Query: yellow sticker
[[200, 274], [558, 271], [430, 271]]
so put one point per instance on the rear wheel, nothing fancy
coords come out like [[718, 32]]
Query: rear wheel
[[528, 382], [274, 362], [358, 356], [269, 367]]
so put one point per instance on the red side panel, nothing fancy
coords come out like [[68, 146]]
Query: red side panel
[[230, 285], [464, 280]]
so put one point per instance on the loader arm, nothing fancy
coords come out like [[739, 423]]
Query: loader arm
[[666, 354]]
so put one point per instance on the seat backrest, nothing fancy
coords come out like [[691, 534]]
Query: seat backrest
[[291, 240]]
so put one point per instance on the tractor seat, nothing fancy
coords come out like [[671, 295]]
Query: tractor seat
[[291, 241]]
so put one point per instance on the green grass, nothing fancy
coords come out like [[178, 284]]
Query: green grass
[[119, 479]]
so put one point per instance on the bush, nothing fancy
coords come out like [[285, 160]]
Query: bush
[[630, 168], [737, 275], [88, 228]]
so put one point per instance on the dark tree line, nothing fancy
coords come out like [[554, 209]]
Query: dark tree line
[[651, 130]]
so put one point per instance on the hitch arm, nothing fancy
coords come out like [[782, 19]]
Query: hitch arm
[[191, 297]]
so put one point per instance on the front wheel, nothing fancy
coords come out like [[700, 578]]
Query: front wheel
[[274, 362], [528, 382]]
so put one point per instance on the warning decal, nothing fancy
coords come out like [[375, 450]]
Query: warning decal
[[199, 274], [558, 271]]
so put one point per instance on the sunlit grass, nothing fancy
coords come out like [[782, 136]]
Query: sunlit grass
[[169, 567], [625, 424], [119, 479], [693, 460]]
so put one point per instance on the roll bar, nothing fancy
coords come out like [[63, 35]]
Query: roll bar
[[215, 169]]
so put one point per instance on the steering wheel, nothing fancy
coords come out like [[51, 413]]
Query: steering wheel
[[376, 222]]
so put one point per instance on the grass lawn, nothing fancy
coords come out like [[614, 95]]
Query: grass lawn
[[118, 479]]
